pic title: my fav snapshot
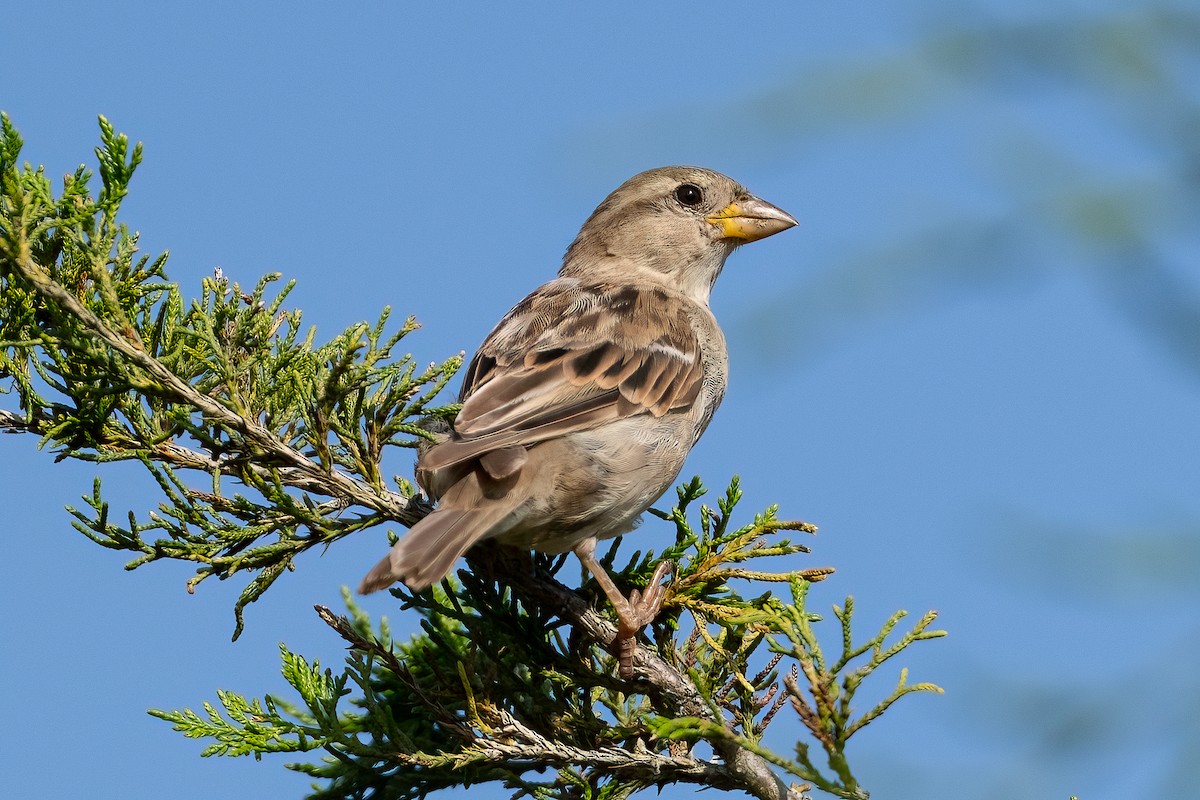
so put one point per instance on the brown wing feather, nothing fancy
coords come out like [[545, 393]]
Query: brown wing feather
[[571, 357]]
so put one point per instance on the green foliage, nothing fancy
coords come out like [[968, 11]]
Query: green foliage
[[270, 726], [499, 686], [511, 678], [109, 363]]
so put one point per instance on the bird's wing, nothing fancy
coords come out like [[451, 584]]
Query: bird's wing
[[570, 357]]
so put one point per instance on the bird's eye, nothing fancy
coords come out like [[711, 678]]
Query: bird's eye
[[689, 194]]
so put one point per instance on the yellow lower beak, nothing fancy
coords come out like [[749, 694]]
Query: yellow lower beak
[[751, 219]]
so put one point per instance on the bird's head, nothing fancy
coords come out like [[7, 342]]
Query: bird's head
[[675, 224]]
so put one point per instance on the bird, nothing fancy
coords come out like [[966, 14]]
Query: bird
[[579, 408]]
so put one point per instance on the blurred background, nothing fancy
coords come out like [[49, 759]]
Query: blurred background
[[975, 365]]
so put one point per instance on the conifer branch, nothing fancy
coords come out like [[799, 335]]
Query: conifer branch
[[108, 363], [263, 444]]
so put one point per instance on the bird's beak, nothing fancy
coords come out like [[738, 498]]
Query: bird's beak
[[751, 219]]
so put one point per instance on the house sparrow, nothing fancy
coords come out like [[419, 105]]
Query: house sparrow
[[580, 407]]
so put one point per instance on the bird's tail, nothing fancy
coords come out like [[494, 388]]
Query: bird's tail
[[426, 553]]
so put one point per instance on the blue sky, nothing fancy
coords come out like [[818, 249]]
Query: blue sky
[[973, 365]]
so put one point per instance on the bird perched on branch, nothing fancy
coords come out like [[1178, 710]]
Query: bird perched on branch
[[580, 407]]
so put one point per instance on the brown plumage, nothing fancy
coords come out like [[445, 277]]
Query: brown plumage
[[581, 406]]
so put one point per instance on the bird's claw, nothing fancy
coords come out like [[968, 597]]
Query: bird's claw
[[643, 606], [636, 612]]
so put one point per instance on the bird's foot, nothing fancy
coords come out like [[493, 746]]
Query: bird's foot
[[634, 612]]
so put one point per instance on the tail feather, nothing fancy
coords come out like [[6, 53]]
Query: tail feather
[[471, 510], [426, 553]]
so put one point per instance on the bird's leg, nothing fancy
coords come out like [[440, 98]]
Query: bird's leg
[[634, 612]]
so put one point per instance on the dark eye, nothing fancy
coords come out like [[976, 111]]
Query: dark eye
[[689, 194]]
